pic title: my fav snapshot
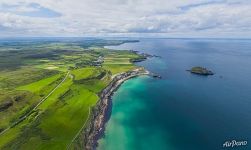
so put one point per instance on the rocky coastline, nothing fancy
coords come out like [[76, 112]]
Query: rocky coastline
[[101, 112]]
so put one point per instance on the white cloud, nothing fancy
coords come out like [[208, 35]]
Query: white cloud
[[127, 17]]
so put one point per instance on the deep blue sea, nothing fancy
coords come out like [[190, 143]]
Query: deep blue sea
[[183, 111]]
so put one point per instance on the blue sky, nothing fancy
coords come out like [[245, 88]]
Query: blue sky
[[158, 18]]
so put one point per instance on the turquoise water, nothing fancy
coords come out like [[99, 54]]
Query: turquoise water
[[183, 111]]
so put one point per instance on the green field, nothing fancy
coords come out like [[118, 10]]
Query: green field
[[47, 90]]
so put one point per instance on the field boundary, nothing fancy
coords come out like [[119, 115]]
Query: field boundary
[[81, 129], [41, 101]]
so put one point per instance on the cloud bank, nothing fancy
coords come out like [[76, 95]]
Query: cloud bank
[[167, 18]]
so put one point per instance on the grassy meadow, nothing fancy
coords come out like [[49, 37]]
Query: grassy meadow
[[48, 88]]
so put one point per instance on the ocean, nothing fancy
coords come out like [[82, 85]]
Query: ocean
[[183, 111]]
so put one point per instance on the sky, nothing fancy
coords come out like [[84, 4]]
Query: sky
[[140, 18]]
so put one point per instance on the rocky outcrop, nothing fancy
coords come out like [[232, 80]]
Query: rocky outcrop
[[201, 71], [5, 105]]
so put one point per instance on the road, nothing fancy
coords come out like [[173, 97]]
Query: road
[[41, 101]]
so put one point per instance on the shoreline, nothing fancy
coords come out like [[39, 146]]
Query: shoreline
[[101, 112]]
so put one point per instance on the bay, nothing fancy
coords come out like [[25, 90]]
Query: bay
[[183, 111]]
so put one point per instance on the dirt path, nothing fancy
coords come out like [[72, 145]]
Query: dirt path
[[41, 101], [81, 129]]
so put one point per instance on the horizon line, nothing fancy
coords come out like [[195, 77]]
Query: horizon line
[[100, 37]]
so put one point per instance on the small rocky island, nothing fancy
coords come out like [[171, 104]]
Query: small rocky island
[[201, 71]]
